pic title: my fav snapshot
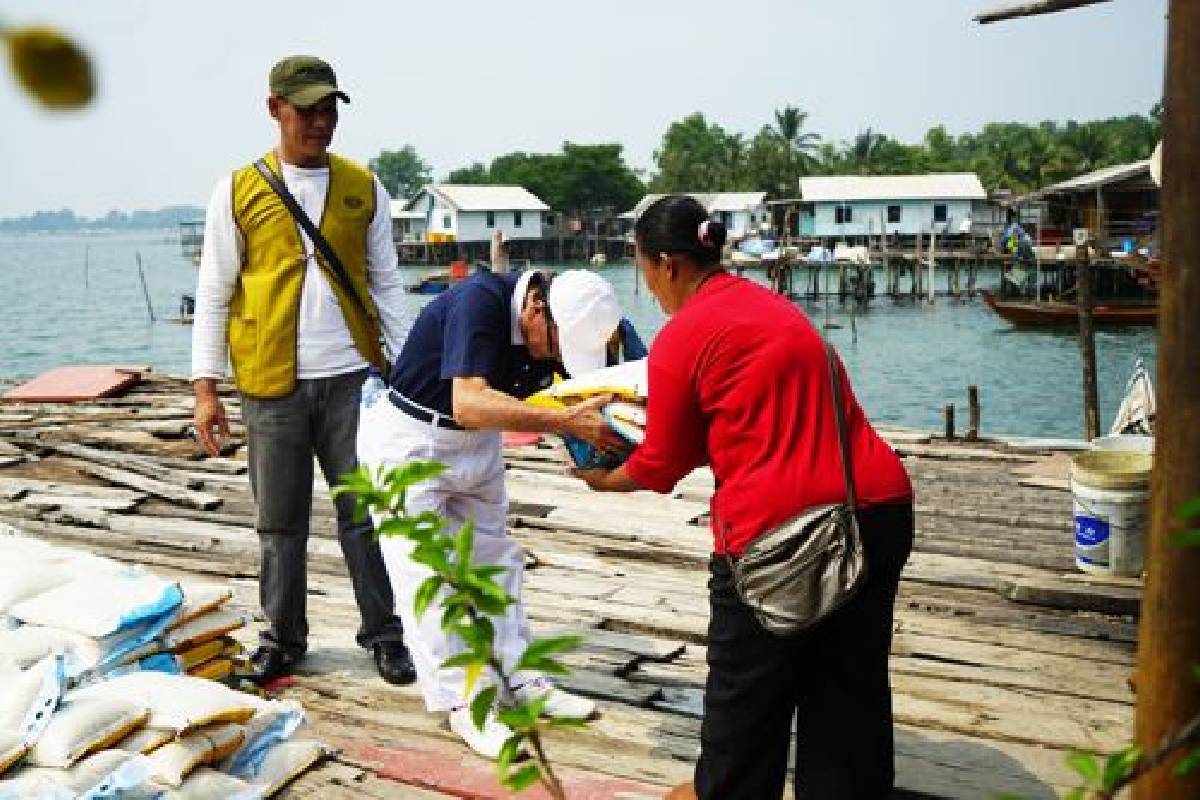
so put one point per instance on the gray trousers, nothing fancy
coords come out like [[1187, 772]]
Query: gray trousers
[[319, 418]]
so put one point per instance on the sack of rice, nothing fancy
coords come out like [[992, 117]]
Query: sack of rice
[[28, 698], [12, 749], [201, 628], [146, 740], [174, 761], [283, 763], [106, 775], [207, 784], [176, 702], [274, 721], [103, 605], [84, 726]]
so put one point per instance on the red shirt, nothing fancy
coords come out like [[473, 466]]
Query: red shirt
[[739, 380]]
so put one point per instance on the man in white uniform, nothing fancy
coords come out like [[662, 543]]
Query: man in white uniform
[[300, 330], [471, 353]]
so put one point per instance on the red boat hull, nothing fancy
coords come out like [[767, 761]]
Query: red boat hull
[[1028, 313]]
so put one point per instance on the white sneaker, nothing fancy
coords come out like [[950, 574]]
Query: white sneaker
[[559, 704], [486, 742]]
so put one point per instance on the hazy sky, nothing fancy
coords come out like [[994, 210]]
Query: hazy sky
[[183, 85]]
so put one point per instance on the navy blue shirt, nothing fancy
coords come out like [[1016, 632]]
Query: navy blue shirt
[[466, 332]]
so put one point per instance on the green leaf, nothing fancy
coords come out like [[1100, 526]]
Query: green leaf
[[425, 594], [539, 649], [522, 716], [482, 705], [548, 666], [463, 545], [1188, 538], [1187, 764], [1189, 509], [1086, 765], [508, 753], [1118, 767], [460, 660], [567, 722], [523, 778], [1077, 794], [472, 670]]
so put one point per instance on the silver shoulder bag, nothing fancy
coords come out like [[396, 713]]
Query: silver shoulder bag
[[795, 575]]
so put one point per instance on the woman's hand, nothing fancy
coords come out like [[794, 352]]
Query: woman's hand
[[606, 480]]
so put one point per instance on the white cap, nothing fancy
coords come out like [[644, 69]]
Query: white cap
[[586, 311]]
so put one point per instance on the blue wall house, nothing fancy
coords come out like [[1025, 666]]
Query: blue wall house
[[853, 206]]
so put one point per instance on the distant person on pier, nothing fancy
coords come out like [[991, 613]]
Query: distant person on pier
[[300, 316], [741, 381]]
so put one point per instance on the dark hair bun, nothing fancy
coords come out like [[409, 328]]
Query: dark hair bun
[[679, 225], [716, 235]]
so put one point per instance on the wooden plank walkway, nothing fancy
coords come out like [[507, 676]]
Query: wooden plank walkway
[[1004, 658]]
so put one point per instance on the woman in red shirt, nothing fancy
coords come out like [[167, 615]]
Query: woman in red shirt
[[739, 380]]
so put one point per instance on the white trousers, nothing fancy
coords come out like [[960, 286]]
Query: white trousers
[[472, 488]]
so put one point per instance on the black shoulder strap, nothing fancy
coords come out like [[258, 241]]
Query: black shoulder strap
[[843, 435], [314, 234]]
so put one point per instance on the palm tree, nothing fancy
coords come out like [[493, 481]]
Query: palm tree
[[789, 124], [865, 149]]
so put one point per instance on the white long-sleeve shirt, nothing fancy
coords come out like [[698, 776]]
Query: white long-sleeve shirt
[[324, 345]]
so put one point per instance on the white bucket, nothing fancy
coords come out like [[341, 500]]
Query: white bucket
[[1111, 489], [1125, 442]]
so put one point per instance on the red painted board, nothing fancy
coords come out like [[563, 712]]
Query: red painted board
[[75, 384]]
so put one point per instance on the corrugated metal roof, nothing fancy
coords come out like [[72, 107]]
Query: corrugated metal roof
[[712, 201], [488, 198], [935, 186], [1100, 177]]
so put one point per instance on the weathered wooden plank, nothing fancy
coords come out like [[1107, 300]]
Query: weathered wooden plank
[[151, 486]]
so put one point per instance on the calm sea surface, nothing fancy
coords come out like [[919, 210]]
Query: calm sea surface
[[909, 360]]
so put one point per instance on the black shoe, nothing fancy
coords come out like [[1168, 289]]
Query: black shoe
[[269, 663], [394, 663]]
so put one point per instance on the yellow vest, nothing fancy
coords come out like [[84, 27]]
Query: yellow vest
[[265, 308]]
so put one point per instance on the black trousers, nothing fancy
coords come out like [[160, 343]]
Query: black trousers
[[833, 679]]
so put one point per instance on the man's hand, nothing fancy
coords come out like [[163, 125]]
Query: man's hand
[[585, 421], [212, 425]]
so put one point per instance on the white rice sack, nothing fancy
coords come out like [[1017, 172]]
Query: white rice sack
[[102, 605], [200, 598], [12, 749], [28, 698], [24, 646], [146, 740], [176, 702], [84, 726], [275, 721], [208, 784], [284, 763], [20, 582], [203, 628], [626, 381], [106, 775], [174, 761]]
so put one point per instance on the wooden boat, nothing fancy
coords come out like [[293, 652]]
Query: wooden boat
[[1105, 312]]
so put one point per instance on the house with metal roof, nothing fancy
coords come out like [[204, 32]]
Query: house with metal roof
[[740, 212], [851, 206], [472, 213], [1117, 204]]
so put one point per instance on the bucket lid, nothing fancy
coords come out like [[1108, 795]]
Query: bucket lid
[[1112, 469]]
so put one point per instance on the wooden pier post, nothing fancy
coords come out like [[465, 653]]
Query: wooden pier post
[[932, 265], [1168, 695], [1087, 345], [974, 411], [950, 421]]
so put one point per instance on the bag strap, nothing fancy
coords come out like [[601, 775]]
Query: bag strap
[[840, 413], [314, 234]]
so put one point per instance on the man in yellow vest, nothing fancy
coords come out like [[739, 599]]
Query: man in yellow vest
[[301, 327]]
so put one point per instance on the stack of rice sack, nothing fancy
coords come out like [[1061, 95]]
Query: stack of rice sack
[[627, 382], [93, 699]]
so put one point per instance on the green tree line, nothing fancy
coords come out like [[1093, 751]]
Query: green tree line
[[699, 155]]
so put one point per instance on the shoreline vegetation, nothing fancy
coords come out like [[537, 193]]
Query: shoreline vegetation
[[697, 155]]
